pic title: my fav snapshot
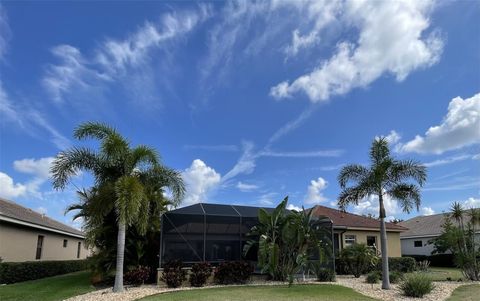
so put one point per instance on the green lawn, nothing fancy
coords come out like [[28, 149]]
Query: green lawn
[[441, 274], [328, 292], [466, 293], [48, 289]]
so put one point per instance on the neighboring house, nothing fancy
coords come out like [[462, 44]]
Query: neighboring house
[[26, 235], [422, 229], [351, 228]]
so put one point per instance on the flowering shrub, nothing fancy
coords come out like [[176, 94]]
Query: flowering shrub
[[200, 273], [173, 274], [137, 275], [233, 272]]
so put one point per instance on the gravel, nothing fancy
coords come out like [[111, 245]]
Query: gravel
[[441, 292]]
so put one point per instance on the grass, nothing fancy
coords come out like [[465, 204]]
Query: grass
[[263, 293], [441, 274], [465, 293], [48, 289]]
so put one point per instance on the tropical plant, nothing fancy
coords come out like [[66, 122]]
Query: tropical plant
[[173, 273], [385, 177], [129, 186], [200, 273], [373, 277], [233, 272], [359, 259], [285, 241], [416, 285], [460, 240]]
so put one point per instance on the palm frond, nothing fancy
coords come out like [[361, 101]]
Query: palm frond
[[352, 195], [352, 172], [379, 150], [143, 154], [408, 195], [404, 169], [129, 196], [69, 162], [97, 130]]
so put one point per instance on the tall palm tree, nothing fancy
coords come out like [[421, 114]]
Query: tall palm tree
[[384, 177], [127, 180]]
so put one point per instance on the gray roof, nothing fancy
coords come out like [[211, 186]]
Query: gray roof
[[428, 225], [14, 211]]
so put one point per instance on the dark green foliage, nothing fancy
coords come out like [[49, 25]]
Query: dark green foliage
[[325, 275], [138, 275], [400, 264], [373, 277], [359, 259], [416, 285], [396, 277], [200, 273], [173, 274], [233, 272], [11, 272], [341, 267], [436, 260]]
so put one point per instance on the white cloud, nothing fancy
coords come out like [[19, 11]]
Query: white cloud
[[370, 205], [200, 179], [427, 211], [472, 203], [302, 154], [458, 129], [392, 138], [41, 210], [293, 207], [117, 59], [448, 160], [268, 199], [391, 41], [9, 188], [245, 187], [245, 164], [39, 168], [315, 191]]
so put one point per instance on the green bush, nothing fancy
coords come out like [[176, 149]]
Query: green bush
[[325, 275], [200, 273], [399, 264], [373, 277], [138, 275], [416, 285], [233, 272], [11, 272], [395, 277], [359, 259], [173, 274]]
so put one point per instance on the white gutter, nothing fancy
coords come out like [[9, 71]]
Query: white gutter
[[32, 225]]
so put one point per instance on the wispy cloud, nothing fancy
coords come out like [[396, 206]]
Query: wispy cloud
[[302, 154], [246, 187], [117, 60], [448, 160]]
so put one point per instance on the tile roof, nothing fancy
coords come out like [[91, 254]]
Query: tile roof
[[13, 210], [345, 219]]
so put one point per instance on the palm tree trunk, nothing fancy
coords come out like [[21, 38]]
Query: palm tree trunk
[[118, 287], [383, 243]]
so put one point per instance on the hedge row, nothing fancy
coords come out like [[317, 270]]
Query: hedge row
[[438, 260], [11, 272], [395, 264]]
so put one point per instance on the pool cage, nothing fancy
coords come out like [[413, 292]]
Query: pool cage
[[215, 233]]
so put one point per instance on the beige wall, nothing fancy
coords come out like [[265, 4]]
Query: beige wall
[[19, 243], [393, 240]]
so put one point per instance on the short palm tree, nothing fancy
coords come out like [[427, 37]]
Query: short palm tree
[[385, 176], [127, 180]]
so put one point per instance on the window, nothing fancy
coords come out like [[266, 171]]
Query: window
[[372, 241], [350, 239], [65, 243], [78, 249], [39, 247], [418, 244]]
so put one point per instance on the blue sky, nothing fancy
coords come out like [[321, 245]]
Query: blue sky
[[251, 101]]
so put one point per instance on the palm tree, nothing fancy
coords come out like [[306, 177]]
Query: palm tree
[[128, 181], [385, 176]]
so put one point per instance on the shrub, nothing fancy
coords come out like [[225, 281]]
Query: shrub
[[341, 267], [325, 275], [173, 274], [395, 277], [399, 264], [373, 277], [200, 273], [437, 260], [359, 259], [233, 272], [137, 275], [416, 285], [423, 265], [11, 272]]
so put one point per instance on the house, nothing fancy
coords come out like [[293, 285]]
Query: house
[[26, 235], [349, 228], [422, 229]]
